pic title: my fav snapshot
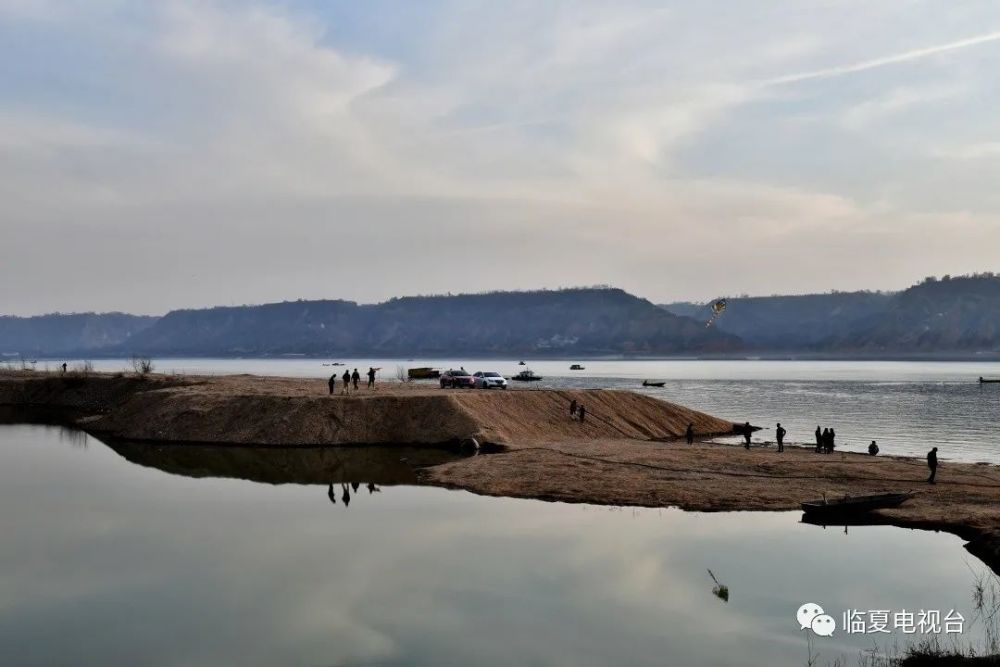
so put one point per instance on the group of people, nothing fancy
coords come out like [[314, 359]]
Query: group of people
[[350, 378], [346, 495], [577, 411], [825, 441]]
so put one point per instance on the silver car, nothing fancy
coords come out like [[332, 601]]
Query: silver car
[[488, 380]]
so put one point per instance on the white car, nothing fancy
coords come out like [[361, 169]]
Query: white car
[[488, 380]]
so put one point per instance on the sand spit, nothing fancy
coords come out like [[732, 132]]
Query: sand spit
[[629, 451], [250, 410]]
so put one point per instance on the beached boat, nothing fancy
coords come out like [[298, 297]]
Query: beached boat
[[647, 383], [576, 367], [983, 380], [527, 375], [423, 373], [854, 504]]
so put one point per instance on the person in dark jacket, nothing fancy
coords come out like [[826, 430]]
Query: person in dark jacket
[[873, 448], [831, 442], [824, 441], [819, 441], [347, 381], [371, 377], [690, 434], [582, 412], [332, 383], [572, 409], [355, 378], [779, 435], [932, 464], [747, 432]]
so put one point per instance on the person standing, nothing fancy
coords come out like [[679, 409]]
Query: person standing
[[371, 377], [572, 409], [932, 464], [355, 378], [347, 381], [780, 435], [64, 367], [582, 411], [747, 431], [689, 434], [831, 441], [824, 441], [819, 441], [332, 383]]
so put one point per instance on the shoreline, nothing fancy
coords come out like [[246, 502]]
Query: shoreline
[[629, 452]]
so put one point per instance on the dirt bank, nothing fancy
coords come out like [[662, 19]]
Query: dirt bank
[[285, 411], [628, 452]]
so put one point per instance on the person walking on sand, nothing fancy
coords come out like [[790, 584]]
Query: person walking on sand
[[779, 434], [932, 464], [332, 383], [572, 409], [689, 434], [819, 441], [347, 381], [371, 377], [355, 377], [64, 367], [582, 411], [746, 435]]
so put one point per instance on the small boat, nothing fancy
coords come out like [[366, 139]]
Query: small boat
[[527, 375], [647, 383], [521, 363], [576, 367], [423, 373], [854, 504], [983, 380]]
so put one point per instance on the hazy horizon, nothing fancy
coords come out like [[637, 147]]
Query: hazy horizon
[[187, 154]]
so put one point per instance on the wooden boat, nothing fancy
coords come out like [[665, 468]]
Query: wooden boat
[[576, 367], [983, 380], [521, 363], [423, 373], [647, 383], [854, 504], [527, 375]]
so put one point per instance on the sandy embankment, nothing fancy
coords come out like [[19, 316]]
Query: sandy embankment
[[627, 453]]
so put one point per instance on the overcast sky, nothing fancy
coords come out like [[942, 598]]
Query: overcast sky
[[156, 155]]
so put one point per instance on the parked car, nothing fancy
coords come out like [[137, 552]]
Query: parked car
[[459, 378], [488, 380]]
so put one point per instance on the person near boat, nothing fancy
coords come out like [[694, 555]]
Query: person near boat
[[747, 431], [371, 377], [779, 435], [932, 464]]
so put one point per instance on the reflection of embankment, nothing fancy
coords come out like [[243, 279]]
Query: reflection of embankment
[[298, 465]]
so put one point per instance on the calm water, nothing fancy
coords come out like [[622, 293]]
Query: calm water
[[906, 406], [181, 556]]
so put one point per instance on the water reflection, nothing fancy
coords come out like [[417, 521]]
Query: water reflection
[[107, 562]]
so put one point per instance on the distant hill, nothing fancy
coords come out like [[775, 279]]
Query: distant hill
[[572, 322], [55, 334], [950, 314], [801, 322], [938, 316]]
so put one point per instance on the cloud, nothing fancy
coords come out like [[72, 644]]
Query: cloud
[[264, 151], [884, 61]]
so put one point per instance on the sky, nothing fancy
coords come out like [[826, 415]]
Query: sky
[[169, 154]]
